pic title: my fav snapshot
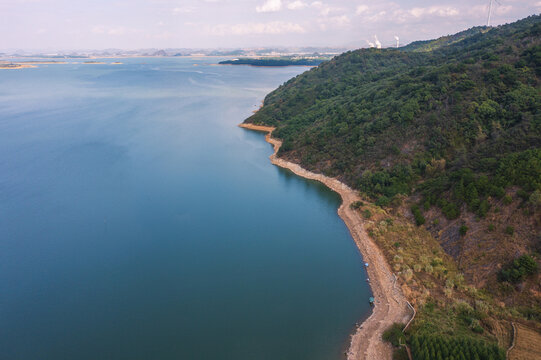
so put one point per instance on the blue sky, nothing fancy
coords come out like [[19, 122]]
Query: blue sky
[[132, 24]]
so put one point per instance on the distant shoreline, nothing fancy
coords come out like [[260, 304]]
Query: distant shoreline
[[275, 62], [5, 65], [390, 305], [15, 66]]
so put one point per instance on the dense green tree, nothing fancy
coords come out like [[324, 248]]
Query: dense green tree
[[457, 118]]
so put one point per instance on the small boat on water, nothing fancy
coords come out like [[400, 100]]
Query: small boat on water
[[371, 300], [365, 264]]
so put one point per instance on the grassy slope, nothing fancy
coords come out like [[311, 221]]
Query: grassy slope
[[456, 131]]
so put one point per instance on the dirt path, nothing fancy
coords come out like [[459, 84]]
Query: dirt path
[[390, 305]]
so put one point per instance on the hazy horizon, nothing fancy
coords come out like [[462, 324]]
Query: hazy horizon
[[62, 25]]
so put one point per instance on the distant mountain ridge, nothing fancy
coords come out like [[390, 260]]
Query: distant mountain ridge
[[431, 45]]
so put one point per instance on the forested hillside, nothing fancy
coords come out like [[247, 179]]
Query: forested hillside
[[443, 134]]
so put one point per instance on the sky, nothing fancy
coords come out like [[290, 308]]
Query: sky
[[136, 24]]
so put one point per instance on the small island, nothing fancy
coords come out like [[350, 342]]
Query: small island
[[14, 66], [272, 62], [25, 64]]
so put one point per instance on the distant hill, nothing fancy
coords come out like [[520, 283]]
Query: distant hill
[[160, 53], [445, 136]]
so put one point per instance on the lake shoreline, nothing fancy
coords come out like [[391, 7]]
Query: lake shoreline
[[16, 67], [390, 303]]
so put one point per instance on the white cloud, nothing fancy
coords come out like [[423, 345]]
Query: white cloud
[[443, 11], [504, 9], [183, 10], [325, 9], [361, 9], [340, 20], [394, 13], [270, 28], [381, 15], [296, 5], [477, 10], [270, 6]]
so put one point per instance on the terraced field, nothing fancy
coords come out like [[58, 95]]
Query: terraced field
[[527, 346]]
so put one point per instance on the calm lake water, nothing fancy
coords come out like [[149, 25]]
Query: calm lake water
[[138, 222]]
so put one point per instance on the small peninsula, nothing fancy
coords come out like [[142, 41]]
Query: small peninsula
[[273, 62]]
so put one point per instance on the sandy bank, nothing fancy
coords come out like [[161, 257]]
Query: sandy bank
[[390, 305], [15, 67], [43, 62]]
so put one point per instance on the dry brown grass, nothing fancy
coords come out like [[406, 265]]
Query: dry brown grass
[[527, 344]]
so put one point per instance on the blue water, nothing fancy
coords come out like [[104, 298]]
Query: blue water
[[138, 222]]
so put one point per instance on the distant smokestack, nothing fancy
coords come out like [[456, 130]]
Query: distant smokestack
[[378, 44], [397, 41], [370, 44]]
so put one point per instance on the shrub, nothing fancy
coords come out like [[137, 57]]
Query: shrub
[[509, 230], [481, 307], [535, 198], [519, 269], [523, 195], [451, 211], [400, 354], [356, 205], [419, 218], [383, 201], [367, 214], [408, 274], [463, 230], [497, 192], [484, 206], [475, 326], [507, 199], [448, 292], [394, 334], [491, 227]]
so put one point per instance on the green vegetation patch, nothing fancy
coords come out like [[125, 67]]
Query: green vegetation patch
[[426, 347], [519, 269]]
